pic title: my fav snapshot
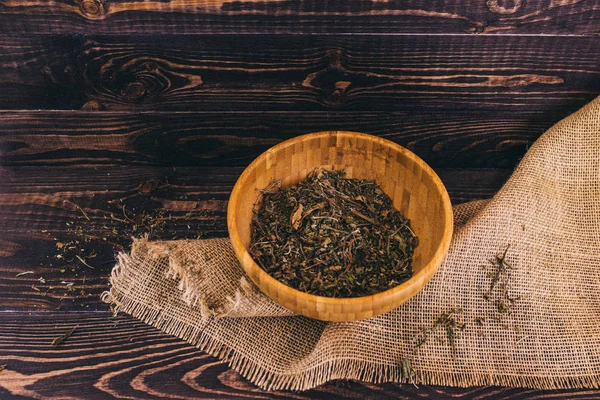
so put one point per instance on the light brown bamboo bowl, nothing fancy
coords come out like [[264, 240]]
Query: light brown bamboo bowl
[[413, 186]]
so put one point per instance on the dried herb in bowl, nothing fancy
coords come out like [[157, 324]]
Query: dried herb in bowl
[[332, 236]]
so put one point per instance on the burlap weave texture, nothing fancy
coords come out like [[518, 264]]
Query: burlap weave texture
[[549, 214]]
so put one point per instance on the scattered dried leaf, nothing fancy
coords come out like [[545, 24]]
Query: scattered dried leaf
[[62, 338], [296, 218]]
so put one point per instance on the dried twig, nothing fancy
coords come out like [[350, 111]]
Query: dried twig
[[82, 210], [500, 278], [62, 338], [448, 321], [407, 372], [83, 261]]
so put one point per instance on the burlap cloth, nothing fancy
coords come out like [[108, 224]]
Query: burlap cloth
[[549, 214]]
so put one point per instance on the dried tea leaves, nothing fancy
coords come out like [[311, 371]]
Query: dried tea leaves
[[332, 236], [451, 322]]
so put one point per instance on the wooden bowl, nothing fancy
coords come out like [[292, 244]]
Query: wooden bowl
[[413, 186]]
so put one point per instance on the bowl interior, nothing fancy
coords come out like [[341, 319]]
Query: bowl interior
[[415, 189], [398, 174]]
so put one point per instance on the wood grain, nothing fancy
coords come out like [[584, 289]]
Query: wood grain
[[146, 76], [457, 139], [565, 17], [38, 209], [123, 358], [299, 72]]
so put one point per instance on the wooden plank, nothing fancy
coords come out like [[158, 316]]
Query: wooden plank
[[120, 357], [44, 229], [303, 16], [35, 199], [460, 139], [299, 72]]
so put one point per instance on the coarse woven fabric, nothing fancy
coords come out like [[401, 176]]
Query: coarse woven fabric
[[539, 328]]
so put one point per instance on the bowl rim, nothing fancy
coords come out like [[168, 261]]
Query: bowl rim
[[425, 274]]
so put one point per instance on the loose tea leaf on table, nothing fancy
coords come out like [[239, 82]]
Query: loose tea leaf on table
[[62, 338], [332, 236]]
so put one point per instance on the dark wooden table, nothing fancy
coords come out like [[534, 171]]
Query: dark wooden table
[[113, 111]]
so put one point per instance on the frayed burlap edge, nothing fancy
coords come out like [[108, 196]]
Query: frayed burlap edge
[[350, 369]]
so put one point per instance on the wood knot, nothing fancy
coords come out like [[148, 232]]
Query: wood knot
[[151, 66], [342, 85], [147, 187], [92, 8], [135, 90], [93, 105], [504, 8], [335, 57], [339, 96], [478, 27]]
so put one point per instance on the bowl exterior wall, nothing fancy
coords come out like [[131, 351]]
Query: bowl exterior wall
[[412, 185]]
